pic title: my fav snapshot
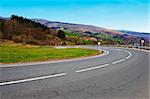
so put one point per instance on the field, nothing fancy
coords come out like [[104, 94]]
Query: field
[[109, 37], [13, 53]]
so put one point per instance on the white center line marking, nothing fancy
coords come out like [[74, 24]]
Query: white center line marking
[[124, 58], [91, 68], [118, 61], [129, 54], [31, 79]]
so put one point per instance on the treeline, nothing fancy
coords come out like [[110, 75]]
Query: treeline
[[25, 31]]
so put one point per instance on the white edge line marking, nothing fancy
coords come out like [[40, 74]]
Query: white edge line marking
[[124, 58], [87, 69], [31, 79]]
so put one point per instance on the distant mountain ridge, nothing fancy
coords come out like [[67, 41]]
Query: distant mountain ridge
[[76, 27], [138, 34]]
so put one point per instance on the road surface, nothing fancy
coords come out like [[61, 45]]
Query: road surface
[[119, 74]]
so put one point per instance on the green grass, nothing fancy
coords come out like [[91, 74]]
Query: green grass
[[19, 53], [71, 34], [109, 37], [74, 35], [87, 42]]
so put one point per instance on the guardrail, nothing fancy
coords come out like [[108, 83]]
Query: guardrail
[[123, 46], [128, 46]]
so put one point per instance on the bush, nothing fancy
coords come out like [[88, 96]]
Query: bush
[[61, 34], [17, 39]]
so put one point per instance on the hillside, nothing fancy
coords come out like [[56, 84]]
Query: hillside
[[22, 30], [106, 35], [27, 31], [138, 34], [76, 27]]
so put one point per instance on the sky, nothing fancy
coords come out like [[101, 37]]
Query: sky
[[113, 14]]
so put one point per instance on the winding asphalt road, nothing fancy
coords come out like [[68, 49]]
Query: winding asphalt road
[[119, 74]]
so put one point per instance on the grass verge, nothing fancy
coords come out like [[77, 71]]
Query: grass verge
[[18, 53]]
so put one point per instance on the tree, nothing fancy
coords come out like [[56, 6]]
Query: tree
[[19, 29], [61, 34], [64, 43]]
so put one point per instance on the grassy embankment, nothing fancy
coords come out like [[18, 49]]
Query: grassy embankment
[[13, 53]]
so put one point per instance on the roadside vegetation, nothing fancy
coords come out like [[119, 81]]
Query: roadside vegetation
[[13, 53], [23, 30]]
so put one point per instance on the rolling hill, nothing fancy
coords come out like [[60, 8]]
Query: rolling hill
[[76, 27], [127, 37], [137, 34], [80, 30]]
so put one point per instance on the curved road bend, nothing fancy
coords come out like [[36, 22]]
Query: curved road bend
[[121, 74]]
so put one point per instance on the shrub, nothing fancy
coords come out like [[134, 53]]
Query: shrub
[[17, 39], [61, 34]]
